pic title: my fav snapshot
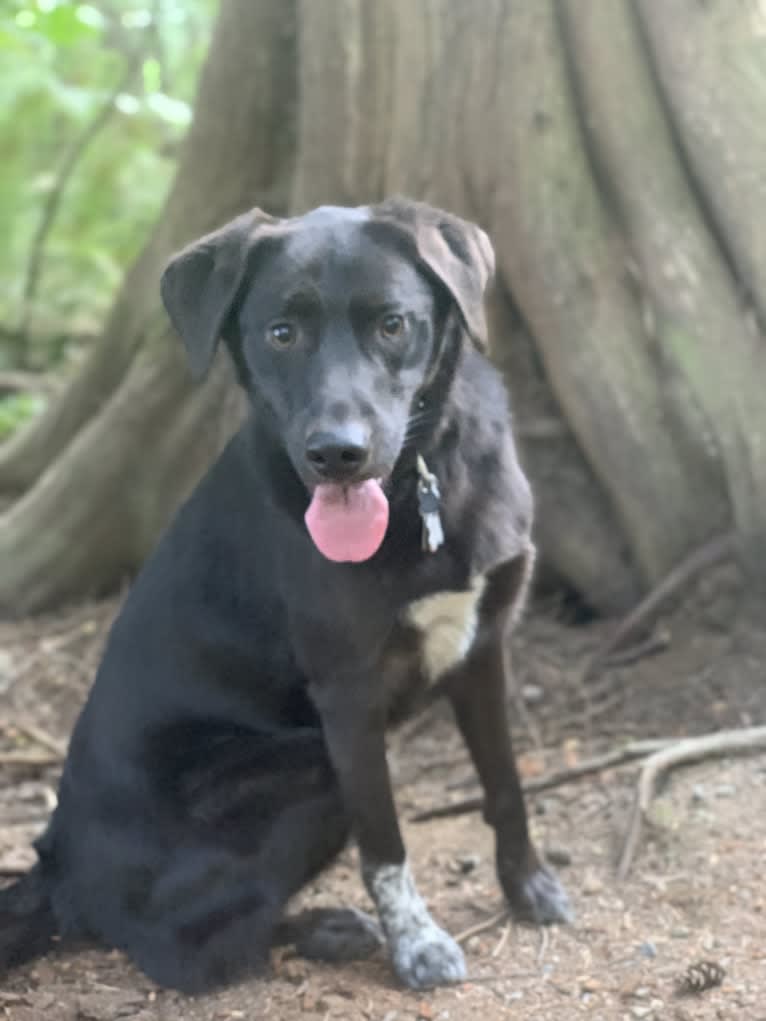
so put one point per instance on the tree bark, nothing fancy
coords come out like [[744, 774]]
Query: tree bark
[[702, 337], [103, 470], [26, 456], [577, 531], [403, 151], [710, 62]]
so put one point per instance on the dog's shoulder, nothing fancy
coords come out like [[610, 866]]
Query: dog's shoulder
[[203, 565], [488, 495]]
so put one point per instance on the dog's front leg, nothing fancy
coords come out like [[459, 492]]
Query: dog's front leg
[[478, 696], [423, 955]]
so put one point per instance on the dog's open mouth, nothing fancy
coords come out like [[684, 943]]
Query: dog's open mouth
[[348, 522]]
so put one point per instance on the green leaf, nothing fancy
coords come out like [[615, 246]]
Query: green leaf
[[63, 26], [26, 19], [16, 410], [75, 99], [152, 74], [90, 16], [137, 19], [127, 104], [174, 111]]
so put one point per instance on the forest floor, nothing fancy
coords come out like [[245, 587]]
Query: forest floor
[[696, 891]]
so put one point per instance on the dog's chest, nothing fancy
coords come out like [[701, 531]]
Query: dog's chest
[[446, 624]]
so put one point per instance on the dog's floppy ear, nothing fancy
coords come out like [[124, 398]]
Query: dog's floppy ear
[[455, 251], [200, 284]]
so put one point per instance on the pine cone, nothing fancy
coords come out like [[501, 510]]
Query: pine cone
[[700, 977]]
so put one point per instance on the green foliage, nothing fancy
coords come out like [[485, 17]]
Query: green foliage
[[16, 410], [60, 64]]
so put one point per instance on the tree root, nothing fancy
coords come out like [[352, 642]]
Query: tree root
[[558, 778], [692, 749], [645, 613]]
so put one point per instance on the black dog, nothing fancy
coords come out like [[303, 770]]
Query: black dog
[[365, 536]]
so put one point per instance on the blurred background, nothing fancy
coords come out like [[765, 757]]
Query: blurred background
[[615, 151]]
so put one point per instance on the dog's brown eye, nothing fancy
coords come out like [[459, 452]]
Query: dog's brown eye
[[281, 334], [391, 326]]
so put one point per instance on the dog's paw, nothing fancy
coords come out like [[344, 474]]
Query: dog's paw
[[428, 958], [540, 898], [340, 934]]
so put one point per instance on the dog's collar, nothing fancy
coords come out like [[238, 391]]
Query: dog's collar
[[429, 502]]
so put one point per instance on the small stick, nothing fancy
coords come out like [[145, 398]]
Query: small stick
[[508, 976], [558, 778], [649, 647], [609, 698], [42, 737], [415, 727], [502, 941], [32, 761], [488, 923], [691, 749], [543, 945], [705, 556]]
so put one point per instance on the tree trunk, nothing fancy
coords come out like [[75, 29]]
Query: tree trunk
[[697, 321], [710, 60], [613, 149], [100, 474]]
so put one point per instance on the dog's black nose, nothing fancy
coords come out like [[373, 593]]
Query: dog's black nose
[[337, 455]]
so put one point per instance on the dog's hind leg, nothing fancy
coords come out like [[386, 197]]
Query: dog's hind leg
[[331, 934], [327, 934], [211, 915]]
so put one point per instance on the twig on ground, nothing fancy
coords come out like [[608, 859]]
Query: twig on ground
[[419, 724], [462, 807], [488, 923], [649, 647], [544, 939], [643, 614], [691, 749], [507, 976], [557, 778], [39, 736], [605, 704], [471, 780], [30, 761], [502, 941], [443, 762]]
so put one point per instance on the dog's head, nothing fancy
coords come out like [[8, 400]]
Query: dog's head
[[337, 322]]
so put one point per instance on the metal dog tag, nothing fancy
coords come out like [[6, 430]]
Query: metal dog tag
[[429, 501]]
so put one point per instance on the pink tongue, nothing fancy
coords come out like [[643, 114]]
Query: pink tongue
[[348, 522]]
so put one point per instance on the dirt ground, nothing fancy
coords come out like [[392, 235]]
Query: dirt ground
[[696, 891]]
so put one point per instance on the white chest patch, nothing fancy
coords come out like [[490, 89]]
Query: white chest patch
[[447, 622]]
